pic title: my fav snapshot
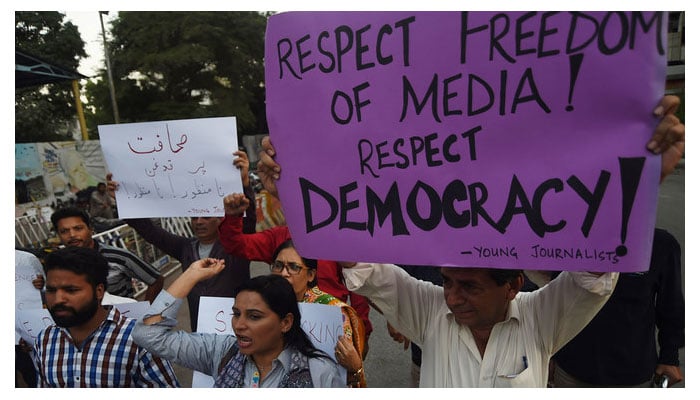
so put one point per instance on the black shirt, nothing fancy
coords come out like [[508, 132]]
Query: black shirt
[[618, 347]]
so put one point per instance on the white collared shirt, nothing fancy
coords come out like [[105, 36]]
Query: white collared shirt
[[517, 355]]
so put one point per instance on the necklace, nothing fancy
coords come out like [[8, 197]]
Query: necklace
[[256, 379], [257, 375]]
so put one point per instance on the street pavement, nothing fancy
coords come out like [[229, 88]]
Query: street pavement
[[388, 366]]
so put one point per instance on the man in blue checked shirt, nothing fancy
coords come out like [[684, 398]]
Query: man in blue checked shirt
[[90, 345]]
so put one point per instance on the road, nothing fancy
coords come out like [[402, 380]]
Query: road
[[388, 366]]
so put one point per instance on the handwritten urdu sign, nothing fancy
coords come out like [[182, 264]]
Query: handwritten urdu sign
[[172, 168], [322, 323], [494, 139]]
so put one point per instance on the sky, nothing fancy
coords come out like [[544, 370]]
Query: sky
[[88, 23]]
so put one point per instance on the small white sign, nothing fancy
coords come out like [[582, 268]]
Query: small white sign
[[172, 168]]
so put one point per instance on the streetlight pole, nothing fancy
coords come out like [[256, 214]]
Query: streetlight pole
[[109, 71]]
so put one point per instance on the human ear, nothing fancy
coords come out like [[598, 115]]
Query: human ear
[[100, 292], [515, 286], [287, 322], [311, 274]]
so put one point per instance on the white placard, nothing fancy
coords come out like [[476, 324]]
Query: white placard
[[27, 267], [134, 310], [30, 322], [27, 297], [172, 168]]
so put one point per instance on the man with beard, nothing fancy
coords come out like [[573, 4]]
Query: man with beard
[[74, 229], [90, 345]]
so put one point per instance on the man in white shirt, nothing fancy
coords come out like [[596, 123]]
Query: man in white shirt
[[478, 330]]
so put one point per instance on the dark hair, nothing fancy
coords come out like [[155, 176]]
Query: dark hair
[[279, 295], [67, 213], [81, 261], [503, 276], [309, 262]]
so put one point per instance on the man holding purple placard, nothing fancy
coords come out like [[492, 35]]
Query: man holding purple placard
[[479, 330]]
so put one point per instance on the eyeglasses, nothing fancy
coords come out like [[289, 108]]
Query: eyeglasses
[[292, 267]]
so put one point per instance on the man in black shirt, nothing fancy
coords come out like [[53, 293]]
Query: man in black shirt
[[619, 346]]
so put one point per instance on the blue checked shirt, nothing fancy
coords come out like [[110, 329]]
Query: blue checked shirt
[[107, 358]]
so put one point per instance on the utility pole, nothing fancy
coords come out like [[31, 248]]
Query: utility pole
[[79, 109], [109, 70]]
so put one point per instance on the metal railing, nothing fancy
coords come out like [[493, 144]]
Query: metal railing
[[676, 49], [32, 231], [177, 225]]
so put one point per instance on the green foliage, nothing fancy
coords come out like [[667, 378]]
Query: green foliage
[[44, 113], [178, 65]]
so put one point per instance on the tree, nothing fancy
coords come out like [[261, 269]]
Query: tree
[[178, 65], [46, 113]]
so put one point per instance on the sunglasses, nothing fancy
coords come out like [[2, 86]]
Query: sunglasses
[[292, 267]]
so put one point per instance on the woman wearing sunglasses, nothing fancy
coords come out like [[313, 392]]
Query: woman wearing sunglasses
[[269, 349], [274, 246]]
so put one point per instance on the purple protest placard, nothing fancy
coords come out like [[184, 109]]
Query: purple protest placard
[[496, 139]]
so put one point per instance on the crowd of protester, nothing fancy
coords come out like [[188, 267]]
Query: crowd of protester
[[479, 327]]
